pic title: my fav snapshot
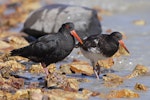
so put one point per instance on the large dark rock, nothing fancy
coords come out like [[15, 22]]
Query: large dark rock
[[49, 19]]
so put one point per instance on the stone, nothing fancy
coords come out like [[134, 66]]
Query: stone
[[139, 86], [123, 93], [107, 63], [112, 80], [65, 69], [49, 19], [139, 70], [82, 67], [59, 94]]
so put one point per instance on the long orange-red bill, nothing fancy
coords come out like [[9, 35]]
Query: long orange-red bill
[[123, 45], [73, 32]]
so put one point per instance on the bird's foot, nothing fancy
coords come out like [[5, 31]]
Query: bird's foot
[[98, 70], [46, 71], [96, 73]]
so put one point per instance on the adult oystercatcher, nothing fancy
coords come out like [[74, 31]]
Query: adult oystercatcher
[[101, 46], [50, 48]]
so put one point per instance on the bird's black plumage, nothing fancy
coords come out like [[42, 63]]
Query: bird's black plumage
[[102, 43], [49, 48]]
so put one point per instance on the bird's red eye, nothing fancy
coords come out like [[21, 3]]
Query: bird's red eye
[[67, 26]]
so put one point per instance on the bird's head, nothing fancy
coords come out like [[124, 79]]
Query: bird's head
[[70, 27], [118, 36]]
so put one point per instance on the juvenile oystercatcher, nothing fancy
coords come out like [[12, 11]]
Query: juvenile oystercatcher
[[50, 48], [101, 46]]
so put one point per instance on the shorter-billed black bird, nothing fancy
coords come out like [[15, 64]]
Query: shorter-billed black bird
[[101, 46], [50, 48]]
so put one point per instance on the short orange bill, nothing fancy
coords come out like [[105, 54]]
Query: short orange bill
[[73, 32], [123, 45]]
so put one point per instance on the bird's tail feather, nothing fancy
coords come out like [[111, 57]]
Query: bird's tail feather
[[17, 52]]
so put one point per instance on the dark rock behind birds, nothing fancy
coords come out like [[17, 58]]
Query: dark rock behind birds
[[49, 19]]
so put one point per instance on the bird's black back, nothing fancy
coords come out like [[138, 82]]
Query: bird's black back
[[101, 43]]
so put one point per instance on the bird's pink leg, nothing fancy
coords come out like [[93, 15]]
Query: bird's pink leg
[[98, 68], [95, 69], [97, 76], [45, 68], [46, 71]]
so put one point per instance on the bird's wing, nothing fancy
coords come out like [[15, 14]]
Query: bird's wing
[[39, 48], [91, 45], [44, 45]]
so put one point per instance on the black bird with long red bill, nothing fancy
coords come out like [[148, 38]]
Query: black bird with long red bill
[[50, 48], [100, 47]]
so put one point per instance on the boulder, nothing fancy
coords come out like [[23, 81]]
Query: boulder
[[49, 19]]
